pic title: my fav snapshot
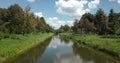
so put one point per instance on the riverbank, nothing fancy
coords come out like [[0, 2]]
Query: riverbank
[[107, 45], [17, 44]]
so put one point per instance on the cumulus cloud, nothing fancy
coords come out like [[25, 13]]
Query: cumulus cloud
[[31, 0], [72, 8], [93, 4], [56, 23], [75, 8], [39, 14], [118, 1]]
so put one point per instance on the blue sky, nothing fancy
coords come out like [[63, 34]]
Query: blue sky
[[61, 12]]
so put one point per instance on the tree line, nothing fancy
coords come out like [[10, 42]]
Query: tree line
[[99, 23], [18, 21]]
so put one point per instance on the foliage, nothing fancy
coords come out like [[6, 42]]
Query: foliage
[[98, 23], [75, 27], [18, 21], [87, 23], [18, 43], [19, 30], [63, 29], [101, 22], [97, 41]]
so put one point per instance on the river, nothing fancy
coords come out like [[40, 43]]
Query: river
[[55, 50]]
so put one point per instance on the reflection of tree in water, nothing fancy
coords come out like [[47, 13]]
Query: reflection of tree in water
[[65, 40], [88, 54], [31, 55]]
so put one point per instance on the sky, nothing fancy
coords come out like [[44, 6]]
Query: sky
[[61, 12]]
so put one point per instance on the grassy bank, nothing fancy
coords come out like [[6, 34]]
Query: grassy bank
[[16, 44], [108, 45]]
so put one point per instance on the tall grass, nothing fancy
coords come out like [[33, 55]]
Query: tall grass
[[111, 44], [16, 44]]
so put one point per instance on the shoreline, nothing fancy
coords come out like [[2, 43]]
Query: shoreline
[[37, 40], [90, 43]]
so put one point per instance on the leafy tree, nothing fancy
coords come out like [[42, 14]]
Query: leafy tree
[[61, 29], [101, 22], [117, 23], [3, 20], [48, 28], [86, 24], [30, 21], [16, 19], [111, 20], [65, 28], [75, 26]]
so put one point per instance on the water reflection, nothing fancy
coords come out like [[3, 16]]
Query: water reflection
[[60, 51], [88, 55], [31, 55], [64, 39], [56, 42], [67, 57], [56, 46]]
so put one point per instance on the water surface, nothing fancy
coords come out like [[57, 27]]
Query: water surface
[[56, 50]]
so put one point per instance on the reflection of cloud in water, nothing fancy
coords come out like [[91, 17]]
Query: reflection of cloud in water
[[69, 57], [55, 42]]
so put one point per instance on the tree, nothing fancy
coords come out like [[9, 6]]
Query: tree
[[3, 20], [101, 22], [42, 26], [111, 20], [67, 28], [86, 24], [61, 29], [16, 19], [117, 23], [48, 28], [75, 26], [64, 28]]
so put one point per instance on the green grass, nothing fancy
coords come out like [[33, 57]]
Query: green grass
[[111, 44], [16, 44]]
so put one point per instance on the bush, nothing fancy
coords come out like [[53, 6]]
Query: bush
[[4, 35]]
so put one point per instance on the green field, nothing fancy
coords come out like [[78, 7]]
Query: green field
[[17, 44], [98, 41]]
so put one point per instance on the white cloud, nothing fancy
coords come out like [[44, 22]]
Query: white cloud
[[93, 4], [72, 8], [56, 23], [31, 0], [75, 8], [118, 1], [39, 14]]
